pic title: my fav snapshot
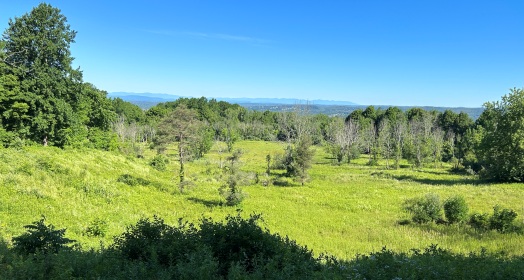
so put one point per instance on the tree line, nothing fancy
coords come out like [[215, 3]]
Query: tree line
[[44, 100]]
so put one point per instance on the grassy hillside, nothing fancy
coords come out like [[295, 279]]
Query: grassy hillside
[[344, 210]]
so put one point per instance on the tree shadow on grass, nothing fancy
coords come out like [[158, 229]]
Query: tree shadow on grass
[[283, 181], [205, 202], [436, 182]]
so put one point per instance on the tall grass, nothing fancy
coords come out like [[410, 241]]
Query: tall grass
[[344, 210]]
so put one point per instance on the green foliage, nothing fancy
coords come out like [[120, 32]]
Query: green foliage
[[433, 263], [202, 144], [424, 209], [237, 247], [502, 220], [456, 209], [7, 138], [501, 150], [479, 221], [131, 112], [103, 140], [242, 242], [41, 237], [181, 125], [231, 190], [159, 162], [97, 228], [298, 160], [41, 95]]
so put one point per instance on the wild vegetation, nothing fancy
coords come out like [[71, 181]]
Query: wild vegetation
[[97, 191]]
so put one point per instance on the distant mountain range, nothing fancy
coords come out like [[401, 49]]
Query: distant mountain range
[[327, 107], [161, 97]]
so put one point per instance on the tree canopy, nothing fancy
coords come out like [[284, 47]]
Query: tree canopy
[[41, 95], [501, 150]]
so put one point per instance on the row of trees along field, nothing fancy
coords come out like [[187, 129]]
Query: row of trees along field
[[43, 99]]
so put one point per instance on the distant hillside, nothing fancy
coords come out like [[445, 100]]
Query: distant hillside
[[344, 110], [146, 99], [327, 107]]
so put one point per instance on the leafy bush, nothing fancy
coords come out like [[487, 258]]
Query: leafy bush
[[479, 221], [6, 137], [424, 209], [502, 220], [237, 247], [434, 263], [41, 238], [159, 162], [456, 209], [155, 241]]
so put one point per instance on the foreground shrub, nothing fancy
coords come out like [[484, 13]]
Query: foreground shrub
[[424, 209], [435, 263], [41, 237], [238, 246], [239, 249], [154, 241], [456, 210]]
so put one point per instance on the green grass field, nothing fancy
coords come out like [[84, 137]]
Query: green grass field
[[344, 210]]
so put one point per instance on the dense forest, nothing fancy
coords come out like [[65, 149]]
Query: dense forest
[[44, 101]]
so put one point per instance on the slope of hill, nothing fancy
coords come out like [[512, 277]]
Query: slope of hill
[[344, 210]]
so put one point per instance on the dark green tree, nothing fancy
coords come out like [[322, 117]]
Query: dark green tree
[[131, 112], [41, 95], [501, 151], [41, 237], [37, 51]]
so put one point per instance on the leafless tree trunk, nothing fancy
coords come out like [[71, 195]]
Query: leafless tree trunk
[[350, 138], [398, 134], [386, 139], [437, 141]]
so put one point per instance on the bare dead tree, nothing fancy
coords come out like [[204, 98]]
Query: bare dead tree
[[437, 142], [351, 139], [386, 139], [398, 131]]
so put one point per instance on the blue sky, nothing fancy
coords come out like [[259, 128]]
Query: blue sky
[[435, 53]]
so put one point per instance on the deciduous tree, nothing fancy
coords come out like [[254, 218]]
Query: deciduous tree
[[182, 126]]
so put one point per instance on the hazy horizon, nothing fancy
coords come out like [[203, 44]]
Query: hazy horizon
[[441, 53]]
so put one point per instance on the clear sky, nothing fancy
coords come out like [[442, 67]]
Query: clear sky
[[430, 52]]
